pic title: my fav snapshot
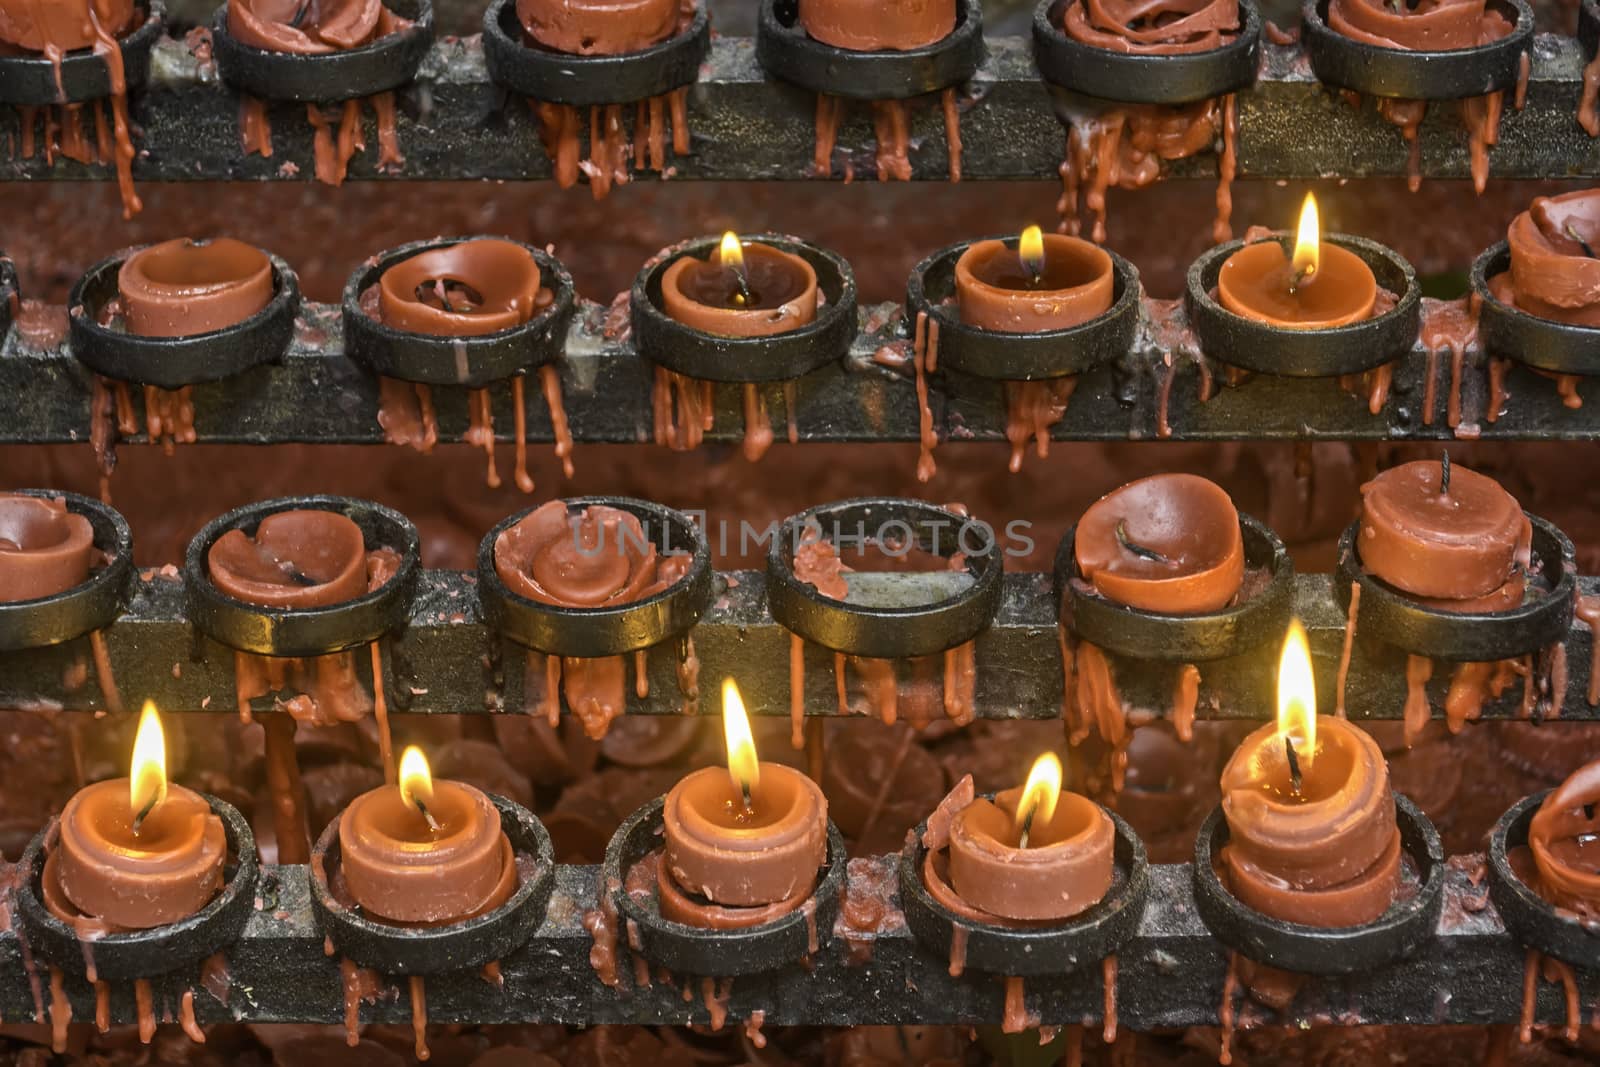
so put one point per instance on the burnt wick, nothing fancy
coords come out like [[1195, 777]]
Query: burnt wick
[[1131, 546], [144, 813], [300, 14], [433, 824], [1027, 828], [1444, 474], [744, 791], [1573, 233], [1295, 779]]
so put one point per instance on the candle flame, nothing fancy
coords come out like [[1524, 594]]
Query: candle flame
[[1039, 795], [147, 778], [416, 779], [1307, 242], [1031, 250], [1297, 695], [743, 767], [731, 254]]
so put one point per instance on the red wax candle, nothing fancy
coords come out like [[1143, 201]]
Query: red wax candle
[[878, 25], [1049, 282], [1320, 286], [1564, 838], [1168, 543], [742, 290], [297, 559], [310, 29], [182, 287], [44, 548], [462, 290], [1554, 273], [599, 27]]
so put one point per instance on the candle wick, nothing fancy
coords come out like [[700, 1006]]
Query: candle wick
[[300, 14], [144, 813], [1444, 474], [1130, 545], [1573, 233], [1027, 827], [745, 297], [1295, 779], [1299, 277], [744, 790], [433, 824]]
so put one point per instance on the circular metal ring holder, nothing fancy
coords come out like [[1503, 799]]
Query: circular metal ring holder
[[1510, 332], [1589, 28], [10, 293], [376, 67], [1022, 356], [691, 950], [884, 632], [1233, 631], [160, 949], [269, 631], [1534, 921], [1392, 617], [661, 339], [31, 80], [1144, 79], [92, 604], [472, 362], [1317, 950], [1033, 949], [392, 949], [1453, 74], [523, 65], [606, 631], [789, 54], [174, 362], [1318, 353]]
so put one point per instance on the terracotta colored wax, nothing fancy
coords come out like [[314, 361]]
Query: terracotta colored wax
[[1060, 282], [598, 27], [44, 548], [878, 25], [183, 287], [1431, 26], [1554, 273], [1163, 27], [1169, 543], [773, 292], [316, 28], [296, 559], [462, 290], [1564, 838]]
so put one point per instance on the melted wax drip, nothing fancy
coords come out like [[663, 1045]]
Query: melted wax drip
[[331, 149], [612, 157], [891, 131]]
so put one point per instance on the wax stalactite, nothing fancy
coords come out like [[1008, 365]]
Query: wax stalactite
[[1447, 326], [599, 558], [1554, 271], [319, 29]]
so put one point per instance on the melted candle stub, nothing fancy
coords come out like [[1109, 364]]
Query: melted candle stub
[[297, 559], [598, 558], [1163, 28], [467, 289], [708, 295], [182, 287], [878, 25], [311, 27], [44, 548], [600, 27], [49, 25], [1554, 270], [1564, 838], [998, 288], [1426, 27]]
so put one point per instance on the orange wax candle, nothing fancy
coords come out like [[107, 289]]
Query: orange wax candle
[[1048, 282], [1320, 286], [743, 290]]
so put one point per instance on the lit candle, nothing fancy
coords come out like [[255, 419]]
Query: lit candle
[[1311, 818], [136, 852], [878, 25], [44, 548], [1048, 282], [743, 290], [461, 290], [183, 287], [1320, 286]]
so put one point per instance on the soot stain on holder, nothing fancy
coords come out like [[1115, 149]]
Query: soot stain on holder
[[91, 605], [1408, 74], [1508, 332], [1325, 951], [1535, 922]]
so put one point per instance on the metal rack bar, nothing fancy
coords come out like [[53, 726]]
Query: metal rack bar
[[317, 395], [446, 661], [1170, 975], [456, 124]]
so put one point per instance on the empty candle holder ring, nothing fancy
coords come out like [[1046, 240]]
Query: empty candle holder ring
[[1532, 920], [1394, 618], [1038, 948], [1406, 74], [693, 950], [386, 63], [92, 604], [1135, 78], [1259, 619], [787, 52], [160, 949], [696, 353], [909, 622], [1023, 356], [276, 631], [396, 949], [1321, 950], [107, 348], [604, 631], [1511, 333], [470, 361], [32, 80], [524, 66], [1314, 353]]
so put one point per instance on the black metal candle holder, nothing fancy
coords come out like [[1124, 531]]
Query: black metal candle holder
[[1317, 353], [92, 604], [1511, 333], [392, 949], [662, 339], [1033, 949], [10, 294], [1256, 621], [607, 631], [31, 80], [1022, 356], [1144, 79], [174, 362], [270, 631], [1317, 950], [886, 632], [1589, 28], [473, 362], [325, 78], [160, 949], [1392, 617], [524, 66], [1405, 74], [692, 950], [789, 54], [1534, 921]]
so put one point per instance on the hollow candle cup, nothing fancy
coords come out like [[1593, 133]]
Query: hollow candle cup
[[297, 559], [44, 548], [995, 289], [181, 287], [1064, 870], [705, 293], [461, 290]]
